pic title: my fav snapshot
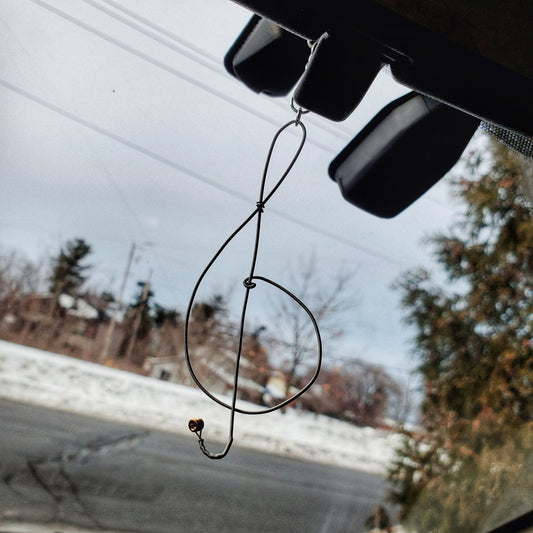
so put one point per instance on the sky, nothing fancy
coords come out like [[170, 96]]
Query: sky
[[118, 124]]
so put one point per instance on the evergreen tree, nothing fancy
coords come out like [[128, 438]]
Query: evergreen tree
[[68, 272], [474, 343], [206, 318], [165, 315]]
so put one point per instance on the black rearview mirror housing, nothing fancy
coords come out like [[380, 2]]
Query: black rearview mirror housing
[[409, 146], [267, 58]]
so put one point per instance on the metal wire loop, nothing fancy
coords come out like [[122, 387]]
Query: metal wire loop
[[249, 284], [197, 425]]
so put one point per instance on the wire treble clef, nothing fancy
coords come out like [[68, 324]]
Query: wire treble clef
[[250, 282]]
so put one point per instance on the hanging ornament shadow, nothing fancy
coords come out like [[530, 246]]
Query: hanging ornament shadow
[[250, 283]]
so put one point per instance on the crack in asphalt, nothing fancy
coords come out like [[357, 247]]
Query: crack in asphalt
[[59, 486], [95, 447], [49, 473]]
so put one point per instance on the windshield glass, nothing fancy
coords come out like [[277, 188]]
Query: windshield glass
[[129, 157]]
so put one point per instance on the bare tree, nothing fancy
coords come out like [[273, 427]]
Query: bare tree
[[18, 278], [372, 391], [356, 391], [329, 298]]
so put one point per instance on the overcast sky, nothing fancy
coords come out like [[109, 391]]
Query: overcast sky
[[123, 126]]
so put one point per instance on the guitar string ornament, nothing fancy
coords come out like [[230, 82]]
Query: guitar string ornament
[[196, 425]]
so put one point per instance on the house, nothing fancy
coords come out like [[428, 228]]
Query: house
[[68, 325]]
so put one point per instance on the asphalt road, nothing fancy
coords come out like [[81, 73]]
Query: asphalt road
[[62, 468]]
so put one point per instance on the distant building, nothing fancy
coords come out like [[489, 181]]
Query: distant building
[[216, 371], [66, 324]]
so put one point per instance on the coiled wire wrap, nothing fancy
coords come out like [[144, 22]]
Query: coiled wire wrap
[[196, 425]]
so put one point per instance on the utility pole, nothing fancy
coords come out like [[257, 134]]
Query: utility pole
[[144, 298], [109, 335]]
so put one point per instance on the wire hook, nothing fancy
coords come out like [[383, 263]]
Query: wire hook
[[299, 112]]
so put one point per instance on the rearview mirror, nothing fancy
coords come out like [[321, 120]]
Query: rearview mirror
[[267, 58], [401, 153]]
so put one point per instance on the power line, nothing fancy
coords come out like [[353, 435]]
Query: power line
[[212, 63], [336, 237], [184, 170], [171, 70], [161, 30], [165, 257], [187, 78], [125, 142], [126, 204], [118, 191]]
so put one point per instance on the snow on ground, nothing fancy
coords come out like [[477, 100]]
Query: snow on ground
[[43, 378]]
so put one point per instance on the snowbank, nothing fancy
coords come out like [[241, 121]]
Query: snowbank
[[56, 381]]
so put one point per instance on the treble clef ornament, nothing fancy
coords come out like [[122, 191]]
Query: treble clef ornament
[[196, 425]]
